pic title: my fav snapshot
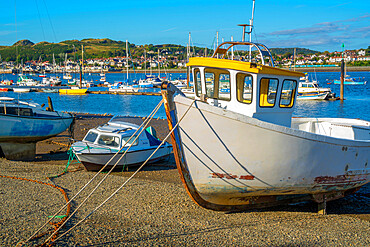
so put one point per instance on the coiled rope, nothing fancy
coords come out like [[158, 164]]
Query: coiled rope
[[115, 192], [145, 123], [54, 224]]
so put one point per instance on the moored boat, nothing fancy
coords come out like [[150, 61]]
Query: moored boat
[[22, 124], [310, 90], [73, 90], [242, 149], [21, 89], [101, 143]]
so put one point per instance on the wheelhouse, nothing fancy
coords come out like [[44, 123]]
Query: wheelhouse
[[250, 88]]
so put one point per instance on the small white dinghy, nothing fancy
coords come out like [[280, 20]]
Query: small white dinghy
[[101, 143]]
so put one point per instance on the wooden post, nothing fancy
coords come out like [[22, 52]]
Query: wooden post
[[50, 108], [321, 207], [342, 80]]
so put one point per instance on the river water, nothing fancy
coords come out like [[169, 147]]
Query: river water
[[355, 105]]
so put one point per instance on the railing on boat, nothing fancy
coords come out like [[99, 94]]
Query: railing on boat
[[262, 49]]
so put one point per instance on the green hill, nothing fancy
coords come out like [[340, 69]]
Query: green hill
[[104, 48], [93, 48]]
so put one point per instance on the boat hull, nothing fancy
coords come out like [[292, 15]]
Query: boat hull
[[73, 91], [313, 96], [350, 82], [229, 161], [95, 161], [19, 134], [22, 129]]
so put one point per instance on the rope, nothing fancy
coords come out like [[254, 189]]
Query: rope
[[147, 120], [54, 224], [115, 192], [106, 175]]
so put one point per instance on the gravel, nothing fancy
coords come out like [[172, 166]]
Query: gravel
[[155, 212]]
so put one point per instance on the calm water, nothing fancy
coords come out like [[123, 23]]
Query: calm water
[[356, 105]]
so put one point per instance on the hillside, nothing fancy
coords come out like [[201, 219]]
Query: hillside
[[105, 48], [283, 51], [93, 48]]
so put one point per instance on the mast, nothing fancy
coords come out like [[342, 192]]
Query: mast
[[250, 32], [82, 65], [187, 68], [144, 61], [294, 52], [127, 60], [159, 66]]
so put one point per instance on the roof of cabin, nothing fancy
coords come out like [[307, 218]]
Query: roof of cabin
[[240, 65]]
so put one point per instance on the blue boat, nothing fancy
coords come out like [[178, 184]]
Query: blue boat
[[22, 124], [351, 80]]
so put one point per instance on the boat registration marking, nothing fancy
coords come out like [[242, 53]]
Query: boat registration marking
[[231, 176]]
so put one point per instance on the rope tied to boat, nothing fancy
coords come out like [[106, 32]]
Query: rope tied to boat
[[145, 123], [117, 190]]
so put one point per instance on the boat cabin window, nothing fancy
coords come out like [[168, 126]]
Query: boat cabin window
[[18, 111], [268, 88], [244, 88], [288, 93], [217, 84], [91, 136], [198, 83], [112, 141], [126, 138]]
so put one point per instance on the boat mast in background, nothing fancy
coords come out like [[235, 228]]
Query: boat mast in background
[[82, 66], [187, 67], [127, 60]]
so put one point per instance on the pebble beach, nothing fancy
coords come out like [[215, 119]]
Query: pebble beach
[[153, 209]]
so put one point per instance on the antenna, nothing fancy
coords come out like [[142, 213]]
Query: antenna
[[250, 25]]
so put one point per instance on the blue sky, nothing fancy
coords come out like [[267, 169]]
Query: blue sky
[[318, 25]]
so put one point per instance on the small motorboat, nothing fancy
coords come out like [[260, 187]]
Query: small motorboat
[[310, 90], [101, 143], [22, 124]]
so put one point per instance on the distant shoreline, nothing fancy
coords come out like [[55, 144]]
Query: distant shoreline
[[310, 69]]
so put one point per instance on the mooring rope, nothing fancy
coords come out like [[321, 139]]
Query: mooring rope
[[115, 192], [103, 179], [145, 123]]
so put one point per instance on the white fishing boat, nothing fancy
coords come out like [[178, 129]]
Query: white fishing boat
[[22, 124], [101, 143], [24, 80], [310, 90], [243, 150]]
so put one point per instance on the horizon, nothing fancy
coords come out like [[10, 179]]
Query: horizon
[[286, 24]]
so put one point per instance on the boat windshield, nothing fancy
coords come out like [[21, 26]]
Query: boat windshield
[[91, 136], [112, 141], [126, 138]]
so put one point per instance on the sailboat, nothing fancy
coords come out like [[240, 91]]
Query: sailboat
[[76, 89], [123, 86], [66, 75]]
